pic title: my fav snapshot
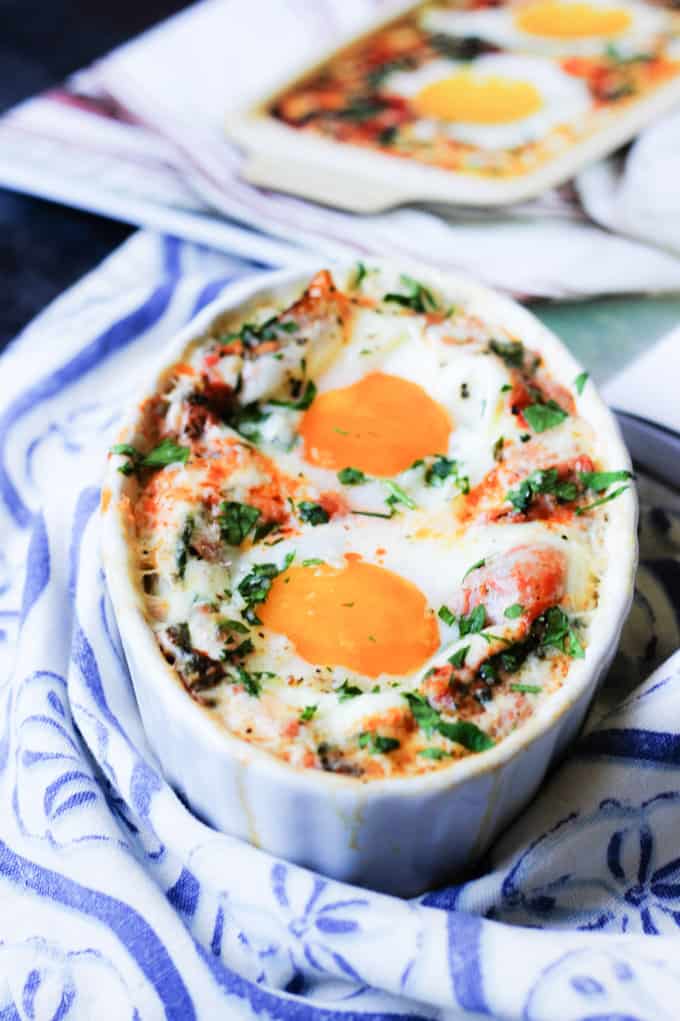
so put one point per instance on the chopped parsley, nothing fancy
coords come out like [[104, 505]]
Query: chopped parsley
[[511, 351], [225, 624], [542, 416], [498, 449], [236, 521], [474, 622], [434, 753], [252, 334], [254, 589], [543, 480], [604, 499], [250, 681], [514, 611], [443, 468], [307, 713], [166, 452], [440, 470], [480, 563], [360, 275], [373, 514], [599, 481], [547, 481], [298, 402], [446, 615], [527, 689], [460, 731], [376, 744], [580, 382], [467, 734], [264, 529], [424, 714], [556, 631], [351, 476], [398, 495], [458, 658], [312, 562], [246, 419], [346, 691], [313, 513], [184, 546], [418, 297]]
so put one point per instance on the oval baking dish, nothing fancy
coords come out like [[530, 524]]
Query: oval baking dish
[[370, 540]]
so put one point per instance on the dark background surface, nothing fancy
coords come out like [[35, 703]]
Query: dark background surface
[[44, 247]]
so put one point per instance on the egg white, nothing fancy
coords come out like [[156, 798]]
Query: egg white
[[564, 98], [497, 25]]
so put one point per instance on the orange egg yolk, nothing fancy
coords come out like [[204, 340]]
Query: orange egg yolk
[[475, 99], [554, 19], [381, 424], [360, 616]]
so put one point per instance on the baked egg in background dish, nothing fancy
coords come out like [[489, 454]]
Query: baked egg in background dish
[[306, 644], [558, 27], [498, 101]]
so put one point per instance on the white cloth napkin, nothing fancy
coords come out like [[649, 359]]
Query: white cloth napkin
[[145, 141], [117, 903]]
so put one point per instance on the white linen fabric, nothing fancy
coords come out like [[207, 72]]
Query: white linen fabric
[[116, 902], [140, 135]]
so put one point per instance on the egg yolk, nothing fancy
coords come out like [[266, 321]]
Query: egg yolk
[[554, 19], [381, 424], [476, 99], [360, 616]]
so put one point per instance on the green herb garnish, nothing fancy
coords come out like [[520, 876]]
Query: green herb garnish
[[440, 470], [514, 611], [183, 546], [527, 689], [467, 734], [418, 297], [167, 452], [254, 588], [480, 563], [474, 622], [398, 495], [313, 513], [424, 714], [376, 744], [351, 476], [236, 521], [580, 382], [429, 721], [446, 615], [346, 691], [434, 753], [604, 499], [599, 481], [541, 481], [300, 403], [558, 633], [511, 351], [307, 713], [458, 658], [250, 681], [542, 416]]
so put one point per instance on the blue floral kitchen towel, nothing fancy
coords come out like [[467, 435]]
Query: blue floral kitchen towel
[[115, 902]]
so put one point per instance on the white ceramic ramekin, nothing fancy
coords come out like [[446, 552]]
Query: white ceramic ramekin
[[401, 836]]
